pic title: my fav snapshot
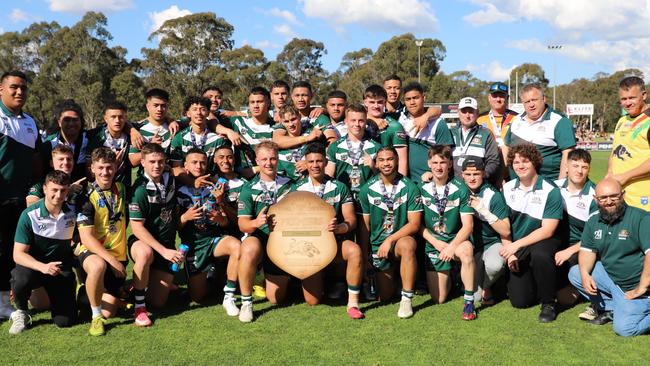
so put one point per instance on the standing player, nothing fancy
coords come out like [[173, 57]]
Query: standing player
[[19, 164], [436, 132], [385, 129], [301, 95], [332, 122], [292, 164], [338, 195], [71, 132], [102, 229], [448, 224], [202, 227], [196, 135], [43, 255], [491, 227], [153, 213], [392, 213], [112, 135], [279, 94], [256, 196], [155, 128]]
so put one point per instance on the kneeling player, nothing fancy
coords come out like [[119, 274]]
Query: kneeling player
[[448, 223], [338, 195], [202, 227], [392, 213], [102, 230], [43, 255], [153, 214]]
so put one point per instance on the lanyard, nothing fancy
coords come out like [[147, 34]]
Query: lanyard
[[470, 135], [115, 143], [161, 188], [389, 199], [355, 155], [111, 204], [204, 139], [321, 189], [441, 203], [269, 198]]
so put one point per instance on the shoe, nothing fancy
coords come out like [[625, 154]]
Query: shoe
[[97, 326], [259, 291], [355, 313], [368, 292], [246, 312], [547, 314], [20, 320], [405, 309], [589, 314], [5, 305], [468, 311], [229, 305], [142, 317], [602, 318], [337, 291]]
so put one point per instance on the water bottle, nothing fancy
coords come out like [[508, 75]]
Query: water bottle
[[222, 181], [210, 204], [183, 248]]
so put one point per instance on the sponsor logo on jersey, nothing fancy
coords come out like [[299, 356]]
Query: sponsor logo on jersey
[[598, 234], [134, 207], [644, 200], [623, 234]]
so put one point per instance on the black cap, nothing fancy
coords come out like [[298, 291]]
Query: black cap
[[473, 162]]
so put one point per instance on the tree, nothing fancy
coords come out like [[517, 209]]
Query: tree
[[529, 73], [352, 61], [246, 68], [302, 60]]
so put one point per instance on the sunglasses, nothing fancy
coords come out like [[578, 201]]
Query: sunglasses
[[494, 88]]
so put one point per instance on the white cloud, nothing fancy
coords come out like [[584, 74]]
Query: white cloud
[[493, 70], [82, 6], [490, 14], [284, 14], [159, 17], [266, 44], [379, 15], [18, 15], [285, 31]]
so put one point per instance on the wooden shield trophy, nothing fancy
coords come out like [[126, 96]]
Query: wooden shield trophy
[[300, 243]]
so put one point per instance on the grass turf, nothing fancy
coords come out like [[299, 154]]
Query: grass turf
[[323, 335]]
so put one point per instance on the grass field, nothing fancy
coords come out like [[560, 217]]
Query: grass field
[[323, 335]]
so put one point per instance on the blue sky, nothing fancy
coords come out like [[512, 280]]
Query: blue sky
[[486, 37]]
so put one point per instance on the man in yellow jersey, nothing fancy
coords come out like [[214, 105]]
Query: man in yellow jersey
[[629, 163]]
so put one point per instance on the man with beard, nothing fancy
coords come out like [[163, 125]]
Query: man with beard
[[613, 270]]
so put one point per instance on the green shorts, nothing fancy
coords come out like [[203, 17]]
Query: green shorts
[[432, 262], [381, 264], [201, 254]]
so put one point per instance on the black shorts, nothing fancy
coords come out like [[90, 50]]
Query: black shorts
[[112, 284], [159, 263]]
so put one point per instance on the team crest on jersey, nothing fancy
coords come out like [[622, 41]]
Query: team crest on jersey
[[377, 201], [581, 205], [426, 201], [536, 200], [42, 226], [101, 203], [621, 152], [644, 200], [623, 234], [453, 203], [598, 234], [476, 140], [343, 156], [166, 215]]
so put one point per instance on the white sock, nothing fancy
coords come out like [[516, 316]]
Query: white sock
[[97, 311]]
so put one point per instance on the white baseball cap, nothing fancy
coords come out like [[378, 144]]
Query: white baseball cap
[[468, 102]]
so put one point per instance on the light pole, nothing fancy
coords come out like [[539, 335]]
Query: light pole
[[419, 42], [554, 47]]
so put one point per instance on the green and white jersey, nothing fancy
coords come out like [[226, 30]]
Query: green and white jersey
[[323, 121], [483, 235], [578, 207], [621, 246], [73, 200], [49, 238], [253, 134], [149, 129], [155, 204], [289, 157], [453, 198], [99, 137], [393, 135], [472, 142], [80, 152], [332, 191], [435, 133], [186, 139], [196, 229], [551, 134], [529, 208], [233, 189], [350, 169], [257, 194], [19, 141], [375, 202]]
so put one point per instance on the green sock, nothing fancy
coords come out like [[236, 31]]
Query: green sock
[[468, 295]]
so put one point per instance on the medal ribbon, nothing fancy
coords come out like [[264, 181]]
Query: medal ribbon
[[204, 139], [111, 204], [389, 199], [441, 203], [268, 198]]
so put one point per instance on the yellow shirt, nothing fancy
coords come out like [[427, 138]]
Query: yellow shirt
[[497, 124], [631, 149], [95, 213]]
